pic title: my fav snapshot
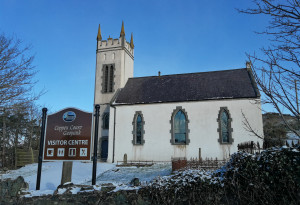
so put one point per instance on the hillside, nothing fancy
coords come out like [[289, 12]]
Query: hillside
[[275, 130]]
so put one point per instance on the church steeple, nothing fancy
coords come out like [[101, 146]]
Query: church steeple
[[131, 42], [122, 33], [99, 37]]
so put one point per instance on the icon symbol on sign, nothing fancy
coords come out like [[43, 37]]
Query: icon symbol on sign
[[50, 152], [83, 152], [61, 152], [72, 152]]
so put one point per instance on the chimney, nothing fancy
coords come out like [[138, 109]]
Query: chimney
[[248, 65]]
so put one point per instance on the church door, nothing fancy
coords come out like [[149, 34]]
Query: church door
[[104, 149]]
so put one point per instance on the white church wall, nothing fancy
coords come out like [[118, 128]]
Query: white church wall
[[202, 124]]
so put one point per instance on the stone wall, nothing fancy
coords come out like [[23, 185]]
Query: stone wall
[[11, 189], [95, 197]]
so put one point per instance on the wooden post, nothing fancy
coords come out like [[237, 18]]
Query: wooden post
[[200, 158], [32, 156], [66, 175], [125, 159]]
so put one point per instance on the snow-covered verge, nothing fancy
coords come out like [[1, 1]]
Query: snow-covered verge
[[272, 177], [118, 177]]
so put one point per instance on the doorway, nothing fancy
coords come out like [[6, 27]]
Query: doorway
[[104, 149]]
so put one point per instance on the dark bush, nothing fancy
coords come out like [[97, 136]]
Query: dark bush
[[272, 177]]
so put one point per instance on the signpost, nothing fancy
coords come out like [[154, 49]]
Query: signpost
[[97, 107], [68, 136], [67, 139], [38, 178]]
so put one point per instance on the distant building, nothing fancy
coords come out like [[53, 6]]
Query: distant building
[[169, 116]]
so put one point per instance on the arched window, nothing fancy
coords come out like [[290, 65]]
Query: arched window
[[224, 127], [105, 121], [179, 127], [225, 130], [138, 128]]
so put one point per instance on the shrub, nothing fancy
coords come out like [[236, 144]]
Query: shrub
[[272, 177]]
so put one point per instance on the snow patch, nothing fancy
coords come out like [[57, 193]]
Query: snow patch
[[61, 191], [75, 190]]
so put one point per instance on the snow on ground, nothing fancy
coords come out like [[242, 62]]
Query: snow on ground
[[51, 173], [82, 174], [125, 174]]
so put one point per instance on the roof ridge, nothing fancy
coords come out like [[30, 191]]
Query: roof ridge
[[189, 73]]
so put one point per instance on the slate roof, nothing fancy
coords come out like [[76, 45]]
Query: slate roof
[[226, 84]]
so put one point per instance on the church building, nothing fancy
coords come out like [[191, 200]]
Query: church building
[[162, 117]]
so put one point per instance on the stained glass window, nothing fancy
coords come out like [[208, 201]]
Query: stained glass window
[[139, 130], [180, 127], [224, 126]]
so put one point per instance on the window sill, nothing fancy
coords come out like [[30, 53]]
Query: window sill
[[108, 92], [179, 144], [225, 143]]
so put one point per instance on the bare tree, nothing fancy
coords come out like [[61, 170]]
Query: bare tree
[[278, 70], [16, 96], [16, 71]]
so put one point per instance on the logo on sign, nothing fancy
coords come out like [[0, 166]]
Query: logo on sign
[[69, 116]]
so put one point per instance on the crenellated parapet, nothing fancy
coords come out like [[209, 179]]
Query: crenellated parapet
[[117, 43]]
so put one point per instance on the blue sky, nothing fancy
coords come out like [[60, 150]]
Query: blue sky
[[171, 36]]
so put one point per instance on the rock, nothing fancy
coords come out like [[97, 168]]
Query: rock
[[107, 187], [12, 188], [68, 188], [135, 182], [65, 185], [86, 188], [107, 184]]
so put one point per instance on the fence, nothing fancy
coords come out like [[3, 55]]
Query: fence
[[207, 164], [26, 157], [252, 147], [130, 163]]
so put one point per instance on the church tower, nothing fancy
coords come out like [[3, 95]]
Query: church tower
[[114, 65]]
